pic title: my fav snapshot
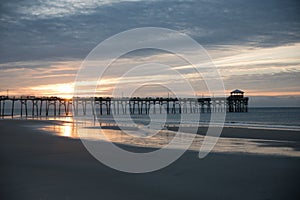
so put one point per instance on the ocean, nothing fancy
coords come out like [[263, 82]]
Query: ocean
[[275, 117]]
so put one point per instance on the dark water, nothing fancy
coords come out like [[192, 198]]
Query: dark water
[[276, 118], [270, 116]]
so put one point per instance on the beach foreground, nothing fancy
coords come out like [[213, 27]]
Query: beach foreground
[[35, 165]]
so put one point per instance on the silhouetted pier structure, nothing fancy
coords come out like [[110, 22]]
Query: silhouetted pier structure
[[41, 106], [237, 102]]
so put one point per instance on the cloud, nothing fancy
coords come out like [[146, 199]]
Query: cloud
[[281, 83], [44, 9], [252, 70], [61, 28], [20, 77]]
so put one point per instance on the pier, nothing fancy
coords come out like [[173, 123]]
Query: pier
[[56, 106]]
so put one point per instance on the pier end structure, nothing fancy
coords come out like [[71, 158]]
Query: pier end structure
[[237, 102]]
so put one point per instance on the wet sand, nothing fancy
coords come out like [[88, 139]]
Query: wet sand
[[35, 165], [249, 133]]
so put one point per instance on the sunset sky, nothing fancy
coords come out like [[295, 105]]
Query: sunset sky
[[254, 44]]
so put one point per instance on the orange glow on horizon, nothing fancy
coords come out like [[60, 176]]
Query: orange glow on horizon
[[64, 90]]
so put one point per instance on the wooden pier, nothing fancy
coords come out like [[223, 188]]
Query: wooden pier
[[42, 106]]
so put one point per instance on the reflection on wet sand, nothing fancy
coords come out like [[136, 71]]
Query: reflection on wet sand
[[64, 130], [136, 136]]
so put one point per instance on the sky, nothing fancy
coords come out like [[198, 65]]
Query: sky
[[255, 44]]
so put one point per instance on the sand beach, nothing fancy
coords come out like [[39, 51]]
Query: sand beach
[[35, 165]]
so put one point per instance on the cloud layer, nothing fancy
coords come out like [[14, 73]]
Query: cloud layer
[[255, 44], [62, 28]]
